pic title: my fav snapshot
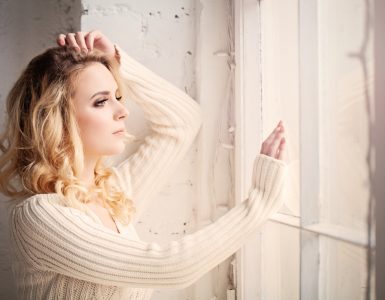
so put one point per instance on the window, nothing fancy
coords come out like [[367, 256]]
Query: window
[[309, 63]]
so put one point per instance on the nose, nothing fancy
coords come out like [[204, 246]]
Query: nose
[[121, 112]]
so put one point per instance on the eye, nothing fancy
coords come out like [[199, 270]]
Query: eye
[[119, 98], [100, 103]]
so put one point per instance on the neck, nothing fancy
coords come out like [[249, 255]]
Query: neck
[[88, 174]]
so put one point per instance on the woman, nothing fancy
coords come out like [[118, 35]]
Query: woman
[[71, 227]]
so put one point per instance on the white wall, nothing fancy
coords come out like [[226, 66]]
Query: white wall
[[180, 40]]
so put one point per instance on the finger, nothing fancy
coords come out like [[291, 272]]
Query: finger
[[276, 129], [267, 143], [272, 150], [90, 38], [269, 140], [282, 149], [71, 41], [61, 39], [80, 41]]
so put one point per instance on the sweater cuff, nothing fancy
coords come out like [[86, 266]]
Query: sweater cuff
[[269, 174]]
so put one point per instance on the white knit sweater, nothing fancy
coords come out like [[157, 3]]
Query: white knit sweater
[[64, 253]]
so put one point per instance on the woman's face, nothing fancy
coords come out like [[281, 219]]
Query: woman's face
[[98, 111]]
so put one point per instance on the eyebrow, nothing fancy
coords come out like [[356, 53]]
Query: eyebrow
[[105, 93]]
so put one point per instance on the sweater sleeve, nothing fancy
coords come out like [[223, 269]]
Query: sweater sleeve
[[174, 118], [51, 237]]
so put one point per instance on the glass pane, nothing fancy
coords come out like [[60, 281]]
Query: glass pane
[[343, 273], [345, 96], [280, 86], [280, 262]]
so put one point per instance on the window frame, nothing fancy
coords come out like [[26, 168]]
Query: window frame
[[248, 110], [379, 145], [248, 104]]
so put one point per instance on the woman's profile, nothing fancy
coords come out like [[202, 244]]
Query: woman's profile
[[72, 223]]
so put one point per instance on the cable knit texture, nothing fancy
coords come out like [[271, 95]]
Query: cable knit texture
[[61, 252]]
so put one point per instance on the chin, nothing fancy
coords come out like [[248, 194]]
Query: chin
[[116, 151]]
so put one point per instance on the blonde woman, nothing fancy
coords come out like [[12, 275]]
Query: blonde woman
[[72, 223]]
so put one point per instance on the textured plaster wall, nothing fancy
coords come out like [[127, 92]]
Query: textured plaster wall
[[188, 43]]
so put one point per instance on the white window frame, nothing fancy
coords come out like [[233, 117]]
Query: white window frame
[[248, 107], [379, 144], [247, 99]]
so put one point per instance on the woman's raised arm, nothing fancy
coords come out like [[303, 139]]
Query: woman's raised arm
[[174, 118]]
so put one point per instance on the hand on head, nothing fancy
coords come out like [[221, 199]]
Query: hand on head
[[87, 41], [275, 144]]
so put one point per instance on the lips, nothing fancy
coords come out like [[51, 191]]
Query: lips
[[122, 130]]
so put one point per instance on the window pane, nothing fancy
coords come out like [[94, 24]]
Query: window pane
[[280, 86], [280, 262], [343, 272], [345, 94]]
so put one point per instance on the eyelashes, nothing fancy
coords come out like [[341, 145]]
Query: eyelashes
[[101, 103]]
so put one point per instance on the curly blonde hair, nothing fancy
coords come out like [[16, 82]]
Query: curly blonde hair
[[41, 147]]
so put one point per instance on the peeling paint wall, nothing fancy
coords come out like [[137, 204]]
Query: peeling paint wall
[[188, 43]]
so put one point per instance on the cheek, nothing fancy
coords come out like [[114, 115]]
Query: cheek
[[96, 133], [92, 126], [90, 123]]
